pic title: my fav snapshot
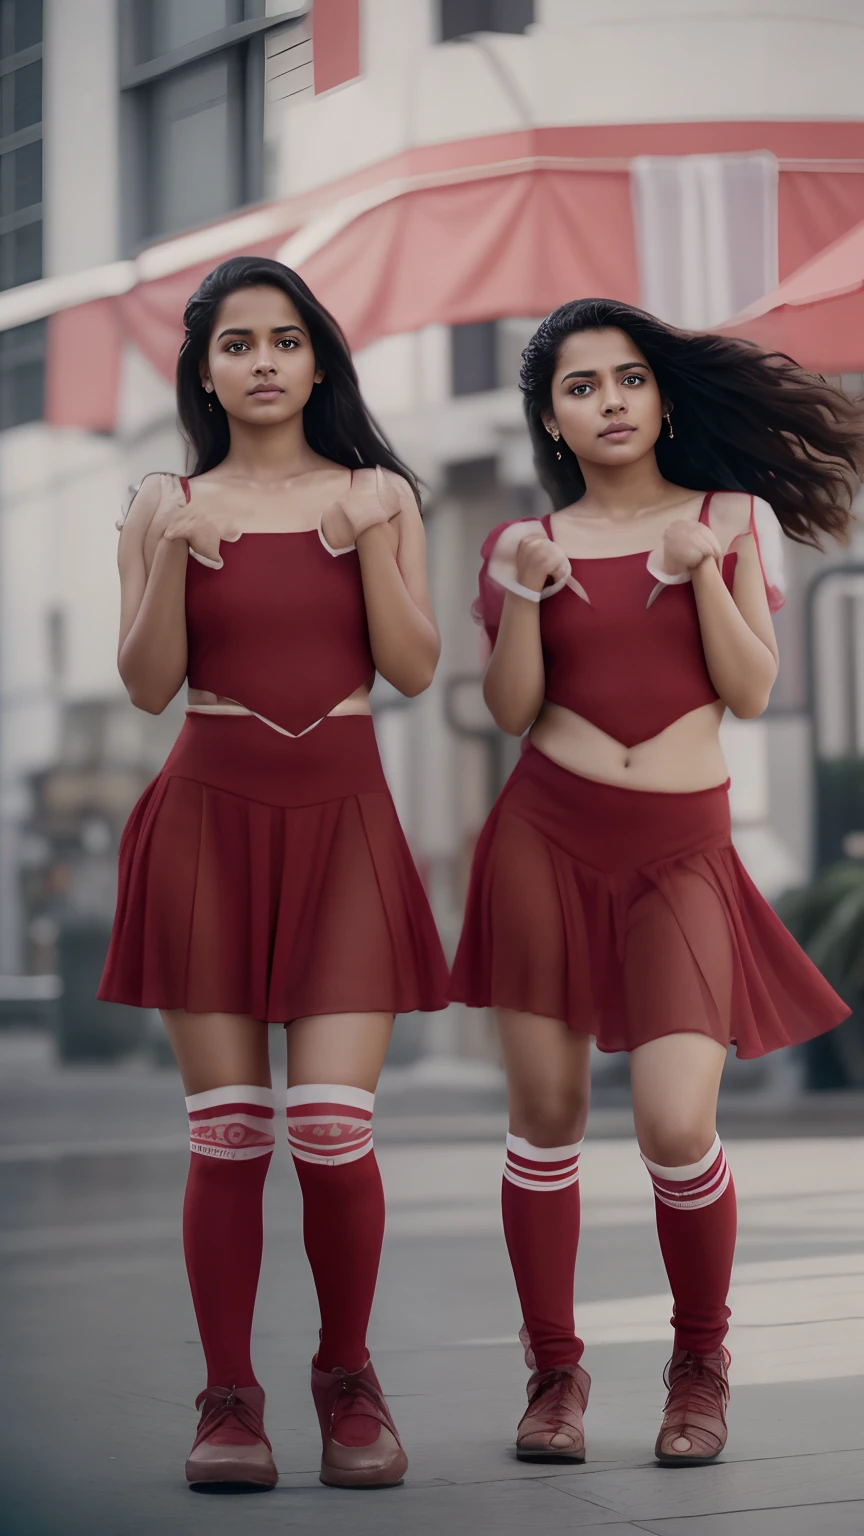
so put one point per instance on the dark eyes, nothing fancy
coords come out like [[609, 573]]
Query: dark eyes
[[285, 343], [581, 390]]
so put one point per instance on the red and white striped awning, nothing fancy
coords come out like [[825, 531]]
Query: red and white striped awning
[[505, 225]]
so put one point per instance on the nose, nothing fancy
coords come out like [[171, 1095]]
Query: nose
[[264, 362], [613, 400]]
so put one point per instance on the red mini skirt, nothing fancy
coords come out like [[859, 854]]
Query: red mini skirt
[[629, 915], [270, 876]]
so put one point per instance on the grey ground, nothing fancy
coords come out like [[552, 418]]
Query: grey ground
[[102, 1364]]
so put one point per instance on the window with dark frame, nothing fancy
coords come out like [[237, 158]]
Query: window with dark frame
[[460, 18], [192, 79], [474, 357], [22, 350]]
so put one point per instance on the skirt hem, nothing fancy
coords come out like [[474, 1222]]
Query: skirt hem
[[609, 1048]]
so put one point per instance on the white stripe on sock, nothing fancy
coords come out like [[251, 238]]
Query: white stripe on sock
[[335, 1161], [540, 1188], [543, 1154], [330, 1093], [229, 1154], [704, 1195], [539, 1179], [692, 1171], [235, 1093]]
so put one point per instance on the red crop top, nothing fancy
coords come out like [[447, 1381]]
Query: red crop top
[[281, 628], [622, 647]]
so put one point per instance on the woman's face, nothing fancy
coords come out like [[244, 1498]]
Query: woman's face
[[605, 399], [260, 361]]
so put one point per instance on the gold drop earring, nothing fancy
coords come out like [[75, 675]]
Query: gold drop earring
[[667, 417], [555, 435]]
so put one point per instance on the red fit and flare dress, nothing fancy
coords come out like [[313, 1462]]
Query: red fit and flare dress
[[628, 914], [264, 871]]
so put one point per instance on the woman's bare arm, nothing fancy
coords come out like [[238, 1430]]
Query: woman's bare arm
[[737, 634], [402, 631], [152, 654], [515, 680], [515, 683]]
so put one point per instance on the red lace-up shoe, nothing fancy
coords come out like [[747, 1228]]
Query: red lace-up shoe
[[693, 1432], [361, 1448], [552, 1429], [231, 1446]]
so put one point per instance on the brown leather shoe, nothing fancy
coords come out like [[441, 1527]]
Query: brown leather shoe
[[552, 1428], [693, 1432], [361, 1448], [231, 1446]]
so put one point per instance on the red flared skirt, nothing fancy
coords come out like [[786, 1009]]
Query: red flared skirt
[[629, 915], [270, 876]]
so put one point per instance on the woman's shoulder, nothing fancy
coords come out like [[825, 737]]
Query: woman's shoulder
[[735, 515], [144, 499], [504, 537], [732, 514]]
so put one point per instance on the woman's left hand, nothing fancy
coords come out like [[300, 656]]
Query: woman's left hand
[[373, 498], [686, 545]]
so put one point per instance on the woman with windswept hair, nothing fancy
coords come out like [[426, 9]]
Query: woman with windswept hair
[[606, 899], [264, 875]]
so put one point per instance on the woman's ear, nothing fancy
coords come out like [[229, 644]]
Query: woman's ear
[[549, 421], [204, 375], [320, 373]]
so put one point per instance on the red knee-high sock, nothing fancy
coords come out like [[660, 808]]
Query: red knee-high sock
[[330, 1135], [697, 1221], [540, 1205], [232, 1143]]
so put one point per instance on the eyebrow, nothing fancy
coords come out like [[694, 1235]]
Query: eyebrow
[[276, 330], [591, 373]]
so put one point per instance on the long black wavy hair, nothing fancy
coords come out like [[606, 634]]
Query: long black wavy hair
[[336, 421], [744, 419]]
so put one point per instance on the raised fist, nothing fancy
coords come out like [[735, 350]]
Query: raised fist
[[175, 519], [538, 560], [686, 544]]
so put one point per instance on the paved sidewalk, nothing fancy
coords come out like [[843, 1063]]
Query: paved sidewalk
[[102, 1362]]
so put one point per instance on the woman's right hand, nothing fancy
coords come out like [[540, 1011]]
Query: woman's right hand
[[538, 560], [176, 519]]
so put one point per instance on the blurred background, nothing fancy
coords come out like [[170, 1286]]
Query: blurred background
[[443, 173]]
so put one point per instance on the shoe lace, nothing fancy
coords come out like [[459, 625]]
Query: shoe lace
[[696, 1381], [218, 1404], [358, 1395], [554, 1386]]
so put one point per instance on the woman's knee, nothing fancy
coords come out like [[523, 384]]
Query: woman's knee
[[676, 1142], [549, 1120]]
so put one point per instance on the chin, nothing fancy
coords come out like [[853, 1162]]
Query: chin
[[618, 453], [265, 410]]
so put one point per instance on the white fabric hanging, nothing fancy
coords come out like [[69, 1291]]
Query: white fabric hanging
[[706, 234]]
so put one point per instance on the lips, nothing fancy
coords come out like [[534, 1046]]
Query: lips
[[621, 431], [270, 390]]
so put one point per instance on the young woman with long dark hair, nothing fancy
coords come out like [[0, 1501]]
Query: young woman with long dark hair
[[606, 899], [264, 875]]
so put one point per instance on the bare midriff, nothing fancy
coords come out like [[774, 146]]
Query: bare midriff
[[684, 758], [199, 702]]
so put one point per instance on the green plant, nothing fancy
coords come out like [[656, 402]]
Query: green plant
[[827, 919]]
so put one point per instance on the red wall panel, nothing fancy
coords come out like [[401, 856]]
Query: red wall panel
[[335, 42]]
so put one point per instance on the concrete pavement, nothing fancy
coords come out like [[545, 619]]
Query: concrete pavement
[[102, 1361]]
